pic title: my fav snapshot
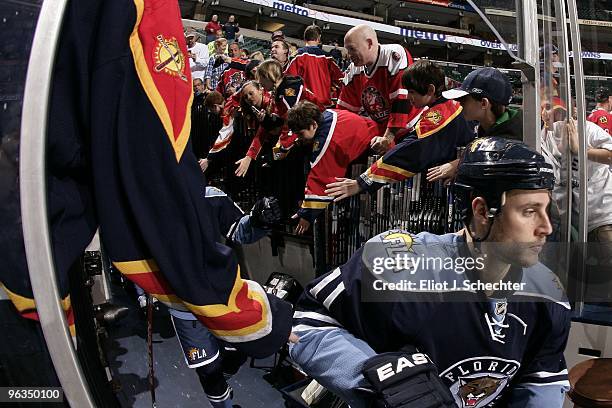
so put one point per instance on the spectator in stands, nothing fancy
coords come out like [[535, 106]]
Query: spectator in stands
[[198, 87], [337, 137], [318, 70], [601, 115], [485, 95], [198, 54], [549, 70], [214, 102], [373, 84], [230, 28], [559, 136], [336, 53], [286, 91], [438, 133], [293, 49], [277, 36], [258, 109], [280, 52], [234, 50], [217, 64], [244, 53], [211, 28], [211, 45], [199, 120], [250, 71]]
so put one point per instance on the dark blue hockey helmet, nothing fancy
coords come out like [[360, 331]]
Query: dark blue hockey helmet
[[492, 165]]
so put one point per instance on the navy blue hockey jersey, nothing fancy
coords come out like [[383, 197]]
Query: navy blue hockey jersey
[[483, 346]]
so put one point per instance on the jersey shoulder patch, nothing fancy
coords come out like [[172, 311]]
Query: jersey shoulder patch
[[394, 57], [437, 117]]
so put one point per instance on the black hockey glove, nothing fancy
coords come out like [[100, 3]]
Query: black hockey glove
[[265, 212], [406, 379]]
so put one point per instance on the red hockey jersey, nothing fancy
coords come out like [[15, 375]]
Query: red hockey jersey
[[379, 94], [232, 78], [341, 138], [601, 118], [319, 71]]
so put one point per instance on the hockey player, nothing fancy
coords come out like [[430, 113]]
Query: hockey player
[[214, 360], [373, 84], [440, 129], [148, 185], [338, 137], [442, 335], [601, 115], [319, 71]]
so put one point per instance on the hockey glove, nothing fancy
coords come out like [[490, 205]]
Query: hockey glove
[[406, 379], [265, 212]]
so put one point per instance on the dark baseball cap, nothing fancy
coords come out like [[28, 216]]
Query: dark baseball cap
[[602, 94], [486, 82]]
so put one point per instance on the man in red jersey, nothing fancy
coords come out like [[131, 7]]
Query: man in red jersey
[[316, 67], [601, 114], [373, 84]]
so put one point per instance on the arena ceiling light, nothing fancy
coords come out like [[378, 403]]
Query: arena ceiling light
[[273, 14], [214, 3], [403, 4]]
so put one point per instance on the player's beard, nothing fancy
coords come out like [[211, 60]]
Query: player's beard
[[522, 254]]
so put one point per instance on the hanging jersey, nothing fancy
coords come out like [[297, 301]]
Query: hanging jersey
[[379, 94], [318, 70], [233, 77], [341, 138], [232, 104], [440, 129], [513, 338]]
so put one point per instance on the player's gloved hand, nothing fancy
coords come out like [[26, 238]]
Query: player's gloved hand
[[265, 212], [406, 379]]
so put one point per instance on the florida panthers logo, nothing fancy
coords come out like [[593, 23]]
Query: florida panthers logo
[[236, 79], [473, 391], [374, 104], [479, 382]]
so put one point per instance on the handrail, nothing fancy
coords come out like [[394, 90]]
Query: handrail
[[34, 204]]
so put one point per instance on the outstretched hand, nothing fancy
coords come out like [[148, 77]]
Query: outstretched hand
[[303, 225], [342, 188], [243, 166]]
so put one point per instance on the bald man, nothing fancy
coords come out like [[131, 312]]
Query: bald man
[[373, 84]]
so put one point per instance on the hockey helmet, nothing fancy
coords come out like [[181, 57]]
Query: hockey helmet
[[492, 165]]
